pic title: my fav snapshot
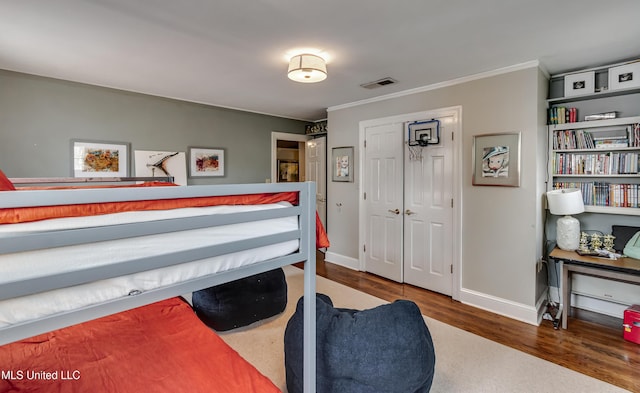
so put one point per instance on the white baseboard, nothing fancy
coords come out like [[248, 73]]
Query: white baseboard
[[541, 305], [520, 312], [351, 263]]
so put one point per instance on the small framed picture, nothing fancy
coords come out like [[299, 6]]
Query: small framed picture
[[206, 162], [288, 171], [342, 164], [496, 160], [579, 84], [150, 163], [99, 159]]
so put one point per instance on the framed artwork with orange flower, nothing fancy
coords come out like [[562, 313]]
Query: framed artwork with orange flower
[[99, 159]]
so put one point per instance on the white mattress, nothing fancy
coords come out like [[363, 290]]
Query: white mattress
[[40, 263]]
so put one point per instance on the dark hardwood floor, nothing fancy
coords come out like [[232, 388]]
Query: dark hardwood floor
[[592, 345]]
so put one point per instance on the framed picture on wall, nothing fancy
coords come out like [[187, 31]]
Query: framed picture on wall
[[99, 159], [496, 160], [206, 162], [151, 163], [342, 164], [288, 171]]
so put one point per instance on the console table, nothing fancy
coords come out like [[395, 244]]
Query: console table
[[622, 269]]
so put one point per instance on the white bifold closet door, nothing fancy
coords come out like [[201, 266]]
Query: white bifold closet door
[[408, 205]]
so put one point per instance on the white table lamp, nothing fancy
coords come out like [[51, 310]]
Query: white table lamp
[[566, 202]]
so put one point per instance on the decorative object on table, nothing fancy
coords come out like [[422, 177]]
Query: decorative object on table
[[162, 163], [342, 164], [565, 202], [584, 242], [496, 160], [607, 242], [206, 162], [596, 241], [579, 84], [99, 159], [624, 76]]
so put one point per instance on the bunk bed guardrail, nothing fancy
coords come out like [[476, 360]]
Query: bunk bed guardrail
[[305, 210]]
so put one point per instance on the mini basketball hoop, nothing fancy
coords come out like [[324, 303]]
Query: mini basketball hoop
[[421, 134]]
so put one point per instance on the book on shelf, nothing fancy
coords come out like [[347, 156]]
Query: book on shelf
[[605, 194], [562, 115], [611, 143], [572, 139], [609, 163], [633, 134]]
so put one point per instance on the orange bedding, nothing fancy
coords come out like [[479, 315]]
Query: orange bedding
[[28, 214], [161, 347]]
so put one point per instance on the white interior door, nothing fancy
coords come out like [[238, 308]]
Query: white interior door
[[316, 164], [428, 215], [419, 244], [383, 200]]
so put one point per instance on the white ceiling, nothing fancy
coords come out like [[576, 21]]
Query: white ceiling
[[231, 53]]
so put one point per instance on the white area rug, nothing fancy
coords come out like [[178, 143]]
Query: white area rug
[[464, 362]]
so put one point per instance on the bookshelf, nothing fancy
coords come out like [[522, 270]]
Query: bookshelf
[[602, 158]]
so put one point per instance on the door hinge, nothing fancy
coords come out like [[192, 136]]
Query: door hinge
[[365, 143], [365, 196], [452, 269], [452, 203], [364, 248], [452, 135]]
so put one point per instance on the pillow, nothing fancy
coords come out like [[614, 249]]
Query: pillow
[[5, 183], [623, 234], [384, 349], [242, 302]]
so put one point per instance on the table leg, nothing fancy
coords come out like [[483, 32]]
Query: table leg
[[566, 294]]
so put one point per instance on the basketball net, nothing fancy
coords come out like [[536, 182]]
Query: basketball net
[[415, 152]]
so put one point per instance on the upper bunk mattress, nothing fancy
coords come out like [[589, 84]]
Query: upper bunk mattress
[[42, 263]]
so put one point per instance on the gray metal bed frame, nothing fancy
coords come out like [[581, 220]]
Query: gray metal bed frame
[[306, 211]]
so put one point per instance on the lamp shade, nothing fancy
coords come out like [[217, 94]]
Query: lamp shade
[[307, 68], [565, 202]]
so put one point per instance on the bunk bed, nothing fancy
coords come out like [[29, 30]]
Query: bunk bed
[[65, 254]]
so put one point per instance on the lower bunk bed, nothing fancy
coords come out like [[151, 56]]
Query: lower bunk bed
[[105, 285]]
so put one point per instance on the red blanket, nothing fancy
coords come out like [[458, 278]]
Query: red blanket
[[28, 214], [161, 347]]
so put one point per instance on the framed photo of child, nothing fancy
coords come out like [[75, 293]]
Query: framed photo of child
[[496, 160], [342, 164]]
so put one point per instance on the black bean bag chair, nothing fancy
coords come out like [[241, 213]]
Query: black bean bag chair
[[242, 302], [384, 349]]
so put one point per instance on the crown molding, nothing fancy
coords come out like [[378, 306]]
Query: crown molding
[[440, 85]]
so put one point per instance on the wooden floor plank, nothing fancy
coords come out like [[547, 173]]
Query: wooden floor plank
[[592, 345]]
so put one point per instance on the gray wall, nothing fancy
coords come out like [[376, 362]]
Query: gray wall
[[39, 116], [501, 226]]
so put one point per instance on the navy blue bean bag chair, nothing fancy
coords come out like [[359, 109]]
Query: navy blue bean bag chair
[[386, 349], [242, 302]]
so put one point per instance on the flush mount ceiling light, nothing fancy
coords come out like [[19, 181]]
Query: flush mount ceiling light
[[307, 68]]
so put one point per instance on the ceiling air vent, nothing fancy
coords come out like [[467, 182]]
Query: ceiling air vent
[[379, 83]]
